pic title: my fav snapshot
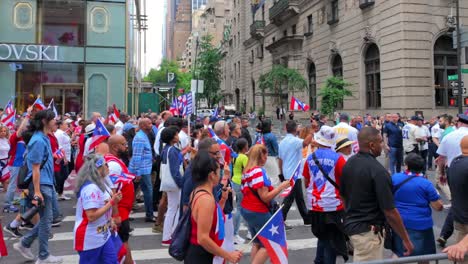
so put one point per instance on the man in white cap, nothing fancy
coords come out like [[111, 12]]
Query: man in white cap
[[322, 171]]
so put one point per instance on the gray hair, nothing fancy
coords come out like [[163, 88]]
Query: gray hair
[[89, 172], [219, 127]]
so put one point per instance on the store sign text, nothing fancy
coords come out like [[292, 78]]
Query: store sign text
[[28, 52]]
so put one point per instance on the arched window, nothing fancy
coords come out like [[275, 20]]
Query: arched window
[[337, 70], [312, 86], [373, 88], [445, 64]]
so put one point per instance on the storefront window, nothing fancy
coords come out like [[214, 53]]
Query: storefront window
[[63, 22]]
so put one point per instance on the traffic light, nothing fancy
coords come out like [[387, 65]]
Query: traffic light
[[452, 102]]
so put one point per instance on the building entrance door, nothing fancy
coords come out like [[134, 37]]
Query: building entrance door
[[67, 97]]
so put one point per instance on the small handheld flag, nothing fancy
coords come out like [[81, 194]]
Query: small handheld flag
[[99, 135], [39, 104], [292, 181], [260, 140], [273, 237], [114, 117], [10, 118], [298, 105], [52, 106]]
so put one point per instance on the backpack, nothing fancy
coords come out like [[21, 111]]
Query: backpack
[[23, 179]]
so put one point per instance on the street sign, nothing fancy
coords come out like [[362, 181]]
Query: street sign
[[454, 84], [455, 91], [453, 77], [193, 86]]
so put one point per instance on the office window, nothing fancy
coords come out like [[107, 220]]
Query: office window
[[373, 88], [309, 25], [333, 15], [445, 64], [312, 86], [294, 31], [337, 70]]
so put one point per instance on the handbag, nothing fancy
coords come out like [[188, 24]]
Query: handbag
[[23, 179], [181, 235], [274, 205], [167, 182], [388, 236]]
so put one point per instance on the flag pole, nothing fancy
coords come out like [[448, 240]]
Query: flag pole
[[261, 229]]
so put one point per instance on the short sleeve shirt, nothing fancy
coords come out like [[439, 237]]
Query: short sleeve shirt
[[91, 235], [39, 148], [290, 152], [450, 145], [458, 182], [394, 134], [252, 180], [409, 137], [239, 164]]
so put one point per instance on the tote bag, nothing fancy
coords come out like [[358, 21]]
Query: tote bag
[[167, 182]]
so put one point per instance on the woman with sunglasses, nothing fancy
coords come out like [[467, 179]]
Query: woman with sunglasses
[[94, 210]]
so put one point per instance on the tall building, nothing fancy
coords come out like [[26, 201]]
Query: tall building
[[182, 28], [396, 55], [197, 4], [75, 52]]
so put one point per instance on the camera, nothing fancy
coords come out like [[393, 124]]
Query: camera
[[29, 214]]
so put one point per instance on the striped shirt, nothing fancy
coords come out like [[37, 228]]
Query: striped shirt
[[252, 180]]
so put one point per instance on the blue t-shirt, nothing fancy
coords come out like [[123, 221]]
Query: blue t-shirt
[[39, 149], [413, 199], [394, 134]]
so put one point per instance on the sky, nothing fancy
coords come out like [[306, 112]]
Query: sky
[[154, 10]]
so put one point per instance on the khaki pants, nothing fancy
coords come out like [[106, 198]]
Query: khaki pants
[[462, 231], [367, 246], [443, 187]]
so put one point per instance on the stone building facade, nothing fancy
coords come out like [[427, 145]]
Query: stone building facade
[[397, 55]]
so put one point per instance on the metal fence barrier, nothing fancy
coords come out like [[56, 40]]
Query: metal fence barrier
[[414, 259]]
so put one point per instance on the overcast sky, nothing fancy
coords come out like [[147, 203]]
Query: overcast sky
[[154, 10]]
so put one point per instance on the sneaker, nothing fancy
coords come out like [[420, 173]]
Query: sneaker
[[63, 197], [24, 251], [50, 259], [157, 229], [12, 231], [56, 222], [150, 219], [26, 226], [441, 241], [238, 240], [166, 243], [10, 209]]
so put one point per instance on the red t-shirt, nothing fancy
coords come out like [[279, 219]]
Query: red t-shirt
[[252, 180], [217, 226], [116, 166], [55, 146], [227, 153], [79, 158]]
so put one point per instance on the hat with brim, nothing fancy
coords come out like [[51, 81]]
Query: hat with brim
[[89, 129], [325, 136], [342, 143]]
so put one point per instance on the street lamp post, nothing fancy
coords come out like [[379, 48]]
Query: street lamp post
[[197, 75], [459, 65]]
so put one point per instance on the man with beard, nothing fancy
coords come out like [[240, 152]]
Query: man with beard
[[118, 147]]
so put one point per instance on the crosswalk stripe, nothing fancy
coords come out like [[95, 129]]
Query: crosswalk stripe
[[153, 254], [71, 218]]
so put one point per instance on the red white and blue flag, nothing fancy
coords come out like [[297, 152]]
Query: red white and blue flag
[[99, 135], [292, 181], [298, 105], [52, 106], [213, 135], [121, 179], [60, 154], [10, 116], [273, 237], [260, 140], [174, 109], [39, 104], [114, 117], [216, 112]]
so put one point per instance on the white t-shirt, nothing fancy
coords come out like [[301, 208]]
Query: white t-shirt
[[157, 141], [64, 142], [437, 132], [184, 142], [423, 132], [345, 130], [91, 235], [4, 148], [409, 137], [119, 127], [450, 144]]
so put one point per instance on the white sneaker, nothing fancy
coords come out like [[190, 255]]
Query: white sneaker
[[238, 240], [50, 260], [63, 197], [24, 251]]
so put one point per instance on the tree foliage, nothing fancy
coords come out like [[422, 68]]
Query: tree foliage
[[159, 75], [280, 78], [209, 70], [333, 92]]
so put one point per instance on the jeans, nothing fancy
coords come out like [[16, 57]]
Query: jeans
[[237, 214], [147, 189], [296, 194], [55, 206], [396, 159], [447, 228], [12, 185], [42, 229], [325, 253]]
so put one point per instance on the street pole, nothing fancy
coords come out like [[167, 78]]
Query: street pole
[[459, 65], [195, 73]]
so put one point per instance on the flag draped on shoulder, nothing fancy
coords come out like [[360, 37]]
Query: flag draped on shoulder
[[298, 105], [99, 135], [292, 181], [10, 116], [273, 237], [39, 104]]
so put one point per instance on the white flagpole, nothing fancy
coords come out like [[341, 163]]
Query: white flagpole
[[261, 229]]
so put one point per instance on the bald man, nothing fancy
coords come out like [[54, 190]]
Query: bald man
[[458, 183], [118, 148], [141, 164]]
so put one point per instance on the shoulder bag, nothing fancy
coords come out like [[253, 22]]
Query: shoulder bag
[[167, 182], [23, 179], [181, 235]]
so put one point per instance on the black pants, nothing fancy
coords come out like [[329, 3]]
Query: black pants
[[423, 154], [157, 183], [61, 177], [447, 228], [296, 194]]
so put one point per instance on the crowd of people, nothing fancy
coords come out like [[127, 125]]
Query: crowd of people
[[226, 176]]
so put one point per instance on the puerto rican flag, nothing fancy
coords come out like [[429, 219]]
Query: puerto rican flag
[[114, 117], [298, 105], [99, 135], [260, 140], [273, 237], [174, 109], [221, 142], [52, 106], [10, 116], [216, 112], [39, 104], [121, 179], [292, 181]]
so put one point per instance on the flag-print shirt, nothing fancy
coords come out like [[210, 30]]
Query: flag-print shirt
[[252, 180], [322, 196], [91, 235]]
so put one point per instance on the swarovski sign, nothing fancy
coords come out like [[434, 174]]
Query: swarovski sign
[[28, 52]]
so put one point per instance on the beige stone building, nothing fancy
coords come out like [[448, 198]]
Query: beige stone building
[[396, 54]]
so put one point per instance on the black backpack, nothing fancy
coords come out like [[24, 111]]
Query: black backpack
[[23, 179]]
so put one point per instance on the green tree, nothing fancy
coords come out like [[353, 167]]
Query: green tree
[[333, 92], [159, 75], [278, 79], [209, 70]]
